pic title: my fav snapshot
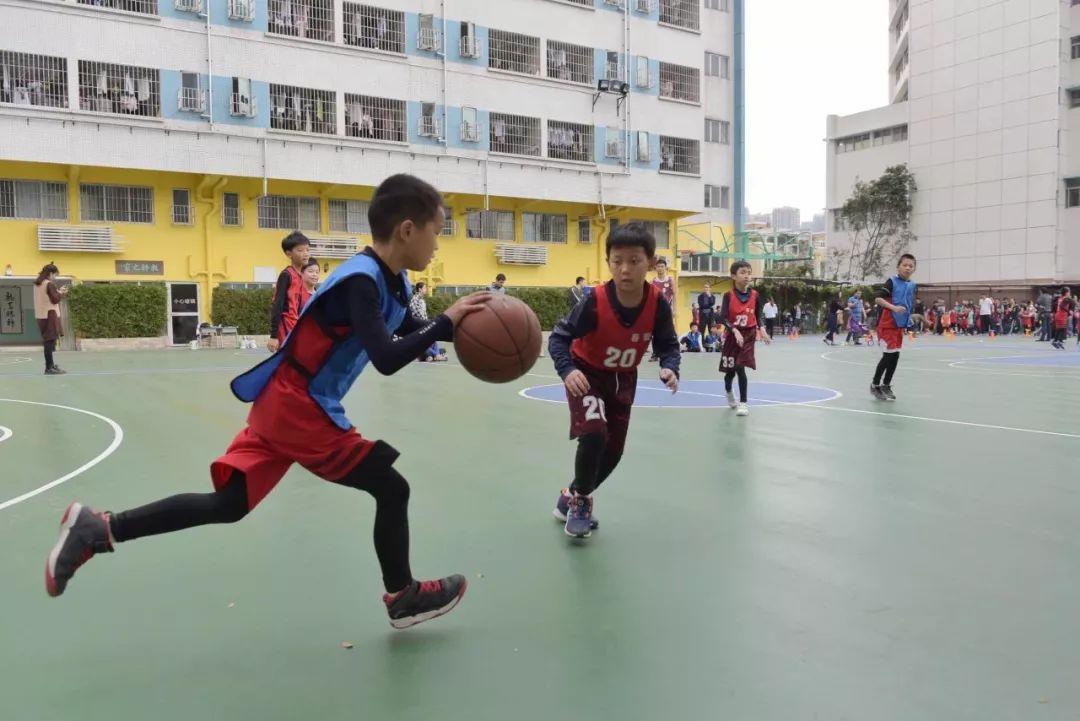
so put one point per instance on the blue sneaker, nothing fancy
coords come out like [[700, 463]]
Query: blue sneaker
[[579, 517], [562, 507]]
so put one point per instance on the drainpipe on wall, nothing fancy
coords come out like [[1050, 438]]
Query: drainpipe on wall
[[206, 274], [210, 72], [73, 192]]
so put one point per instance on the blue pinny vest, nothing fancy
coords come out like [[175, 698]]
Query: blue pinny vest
[[903, 293], [330, 382]]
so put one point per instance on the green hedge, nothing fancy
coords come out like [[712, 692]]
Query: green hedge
[[248, 310], [549, 304], [120, 310]]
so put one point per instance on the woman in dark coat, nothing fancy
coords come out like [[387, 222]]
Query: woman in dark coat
[[47, 297]]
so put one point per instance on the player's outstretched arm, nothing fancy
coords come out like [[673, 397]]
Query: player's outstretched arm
[[665, 342]]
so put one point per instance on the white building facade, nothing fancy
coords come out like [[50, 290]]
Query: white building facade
[[479, 97], [985, 112]]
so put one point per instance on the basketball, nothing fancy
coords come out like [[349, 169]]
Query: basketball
[[499, 343]]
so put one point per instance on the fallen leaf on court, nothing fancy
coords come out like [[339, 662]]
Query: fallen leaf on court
[[479, 575], [1042, 700], [232, 604], [346, 644]]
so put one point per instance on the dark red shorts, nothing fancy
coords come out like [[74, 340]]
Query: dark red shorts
[[286, 426], [888, 333], [732, 356], [605, 408]]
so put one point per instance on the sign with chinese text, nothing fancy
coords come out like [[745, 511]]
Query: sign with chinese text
[[11, 313], [140, 267]]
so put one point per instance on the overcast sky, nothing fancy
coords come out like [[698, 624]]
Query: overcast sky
[[806, 60]]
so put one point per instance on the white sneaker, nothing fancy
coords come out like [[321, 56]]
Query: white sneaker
[[732, 403], [742, 410]]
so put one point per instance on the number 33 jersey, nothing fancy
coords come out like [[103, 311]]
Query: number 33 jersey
[[614, 346]]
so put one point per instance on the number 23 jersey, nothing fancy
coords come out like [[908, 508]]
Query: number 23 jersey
[[614, 346]]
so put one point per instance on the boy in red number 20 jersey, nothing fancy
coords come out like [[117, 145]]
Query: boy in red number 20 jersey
[[596, 350], [740, 314]]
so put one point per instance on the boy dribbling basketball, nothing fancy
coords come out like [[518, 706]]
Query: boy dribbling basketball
[[297, 414], [597, 349]]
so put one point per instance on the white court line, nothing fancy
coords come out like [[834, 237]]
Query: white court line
[[118, 437], [953, 370], [957, 362], [950, 422], [5, 433], [13, 361]]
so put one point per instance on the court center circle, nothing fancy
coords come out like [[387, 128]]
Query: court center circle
[[702, 394]]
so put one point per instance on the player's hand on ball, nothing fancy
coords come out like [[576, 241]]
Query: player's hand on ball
[[738, 337], [272, 345], [577, 384], [465, 306], [668, 377]]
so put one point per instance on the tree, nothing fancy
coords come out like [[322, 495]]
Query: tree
[[877, 216]]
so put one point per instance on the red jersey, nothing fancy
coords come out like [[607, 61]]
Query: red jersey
[[612, 346], [285, 310], [740, 314], [666, 288]]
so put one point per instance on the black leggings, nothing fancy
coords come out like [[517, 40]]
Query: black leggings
[[50, 347], [729, 379], [593, 463], [375, 475], [770, 324], [885, 368]]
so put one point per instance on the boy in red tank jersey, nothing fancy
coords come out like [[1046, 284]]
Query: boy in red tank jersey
[[741, 314], [597, 349]]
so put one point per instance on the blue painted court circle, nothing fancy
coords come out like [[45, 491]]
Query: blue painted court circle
[[701, 394]]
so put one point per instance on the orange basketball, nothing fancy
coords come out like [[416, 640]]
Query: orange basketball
[[499, 343]]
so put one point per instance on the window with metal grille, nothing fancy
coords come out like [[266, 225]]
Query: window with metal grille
[[613, 66], [127, 89], [717, 65], [613, 142], [515, 134], [712, 196], [303, 109], [448, 225], [144, 7], [679, 82], [311, 19], [570, 141], [190, 96], [721, 5], [679, 155], [573, 63], [1072, 198], [725, 132], [430, 125], [182, 212], [241, 101], [188, 6], [242, 10], [725, 197], [659, 230], [1075, 47], [490, 224], [231, 214], [681, 13], [33, 80], [584, 231], [543, 228], [1074, 98], [367, 26], [349, 216], [33, 199], [582, 3], [513, 51], [116, 203], [470, 125], [429, 34], [468, 44], [286, 212], [375, 118]]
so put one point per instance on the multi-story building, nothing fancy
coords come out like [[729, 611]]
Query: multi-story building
[[179, 140], [787, 218], [985, 112]]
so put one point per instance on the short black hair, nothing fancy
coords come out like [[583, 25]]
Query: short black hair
[[693, 325], [1065, 289], [579, 279], [294, 239], [661, 260], [904, 257], [419, 286], [632, 235], [399, 198], [739, 265], [501, 277], [311, 262]]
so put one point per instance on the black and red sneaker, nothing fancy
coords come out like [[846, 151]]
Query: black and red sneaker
[[83, 533], [424, 600]]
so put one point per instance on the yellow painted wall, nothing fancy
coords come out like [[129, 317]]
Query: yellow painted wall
[[209, 253]]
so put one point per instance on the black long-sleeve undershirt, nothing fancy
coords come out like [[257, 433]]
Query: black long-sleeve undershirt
[[281, 299]]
